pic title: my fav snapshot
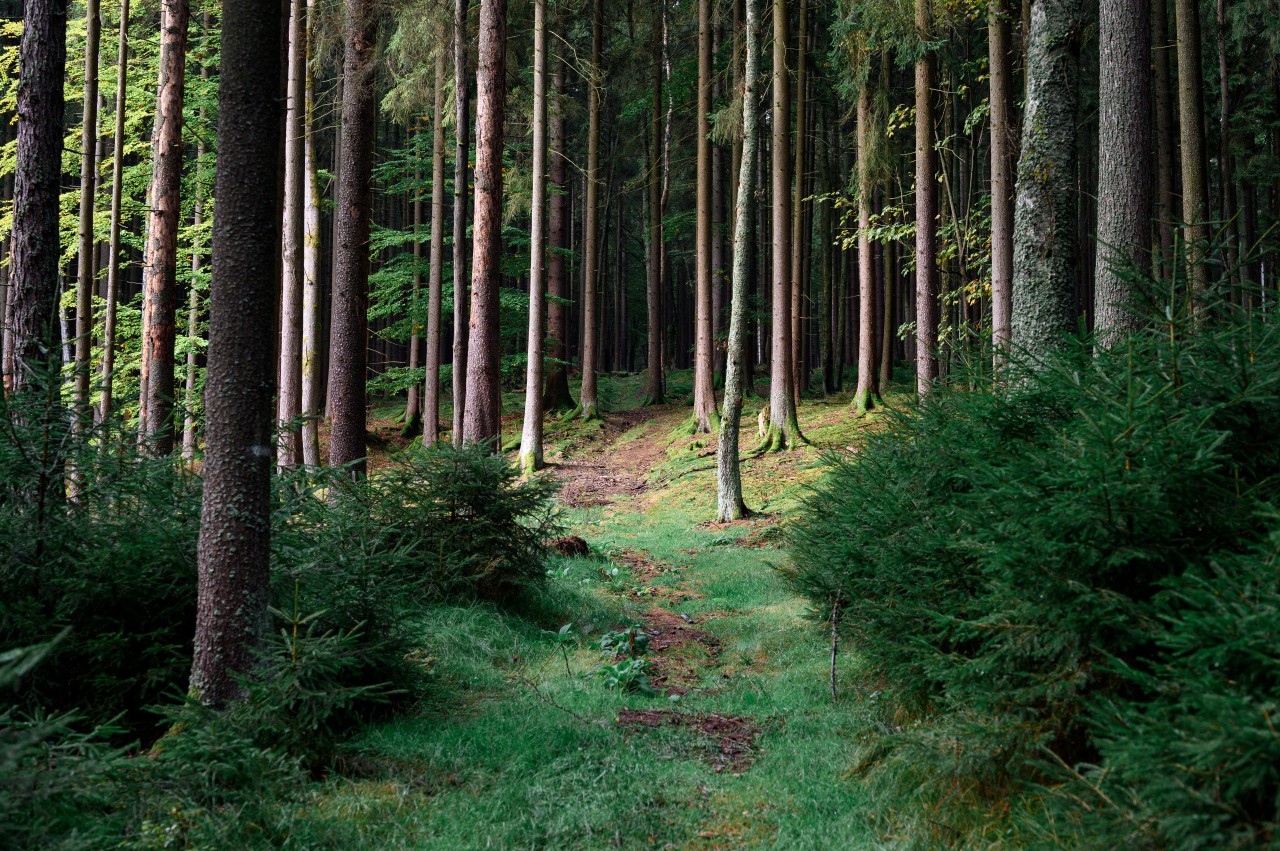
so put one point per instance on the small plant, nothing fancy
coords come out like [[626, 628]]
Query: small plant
[[630, 643], [628, 675], [561, 639]]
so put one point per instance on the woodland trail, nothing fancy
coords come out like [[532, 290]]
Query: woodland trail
[[738, 745]]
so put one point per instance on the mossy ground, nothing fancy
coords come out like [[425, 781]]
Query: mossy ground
[[513, 752]]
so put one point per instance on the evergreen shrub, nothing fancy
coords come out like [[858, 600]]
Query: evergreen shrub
[[1056, 577]]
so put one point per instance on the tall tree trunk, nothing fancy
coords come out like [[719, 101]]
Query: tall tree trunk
[[235, 517], [864, 395], [1003, 134], [1044, 236], [483, 421], [587, 398], [1195, 188], [799, 245], [655, 390], [784, 427], [1226, 181], [161, 262], [413, 419], [1124, 163], [289, 380], [312, 307], [117, 197], [435, 282], [730, 505], [531, 436], [1166, 135], [88, 174], [556, 394], [190, 420], [350, 312], [704, 396], [926, 209], [461, 249], [34, 247]]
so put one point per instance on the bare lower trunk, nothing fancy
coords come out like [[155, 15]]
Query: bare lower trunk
[[531, 436], [289, 369], [235, 523], [864, 396], [311, 293], [1195, 190], [1166, 133], [85, 265], [704, 397], [435, 282], [1003, 133], [730, 505], [117, 197], [799, 246], [926, 211], [587, 398], [190, 421], [483, 421], [655, 389], [556, 395], [461, 249]]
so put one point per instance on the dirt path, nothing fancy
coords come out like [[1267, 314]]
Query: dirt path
[[608, 469]]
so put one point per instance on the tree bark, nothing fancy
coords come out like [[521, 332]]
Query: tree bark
[[556, 395], [1124, 163], [289, 381], [531, 437], [1044, 237], [235, 517], [34, 247], [435, 281], [588, 401], [117, 197], [483, 421], [85, 265], [1003, 135], [190, 421], [161, 261], [461, 248], [350, 312], [655, 385], [311, 287], [799, 246], [704, 396], [1166, 135], [730, 504], [864, 395], [926, 209], [1195, 189]]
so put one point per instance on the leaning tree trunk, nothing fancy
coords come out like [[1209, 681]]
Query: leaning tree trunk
[[435, 280], [531, 437], [730, 505], [311, 290], [117, 199], [926, 209], [587, 397], [1195, 189], [556, 394], [654, 388], [1044, 234], [1000, 50], [88, 171], [233, 566], [1124, 163], [289, 381], [34, 247], [483, 422], [350, 323], [704, 394], [784, 427], [161, 261], [462, 126]]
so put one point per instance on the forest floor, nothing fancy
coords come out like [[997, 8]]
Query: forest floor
[[523, 744]]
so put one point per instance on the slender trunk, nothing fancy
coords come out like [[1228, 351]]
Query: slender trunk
[[435, 283], [587, 398], [190, 422], [730, 505], [1044, 237], [34, 247], [531, 436], [88, 172], [350, 312], [161, 261], [864, 396], [1195, 190], [784, 427], [235, 529], [926, 210], [654, 393], [483, 421], [704, 397], [289, 374], [556, 395], [1166, 132], [117, 194], [1003, 135], [461, 249], [1124, 163], [311, 287], [799, 246], [1226, 181], [413, 419]]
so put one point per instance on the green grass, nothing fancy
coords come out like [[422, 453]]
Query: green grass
[[487, 762]]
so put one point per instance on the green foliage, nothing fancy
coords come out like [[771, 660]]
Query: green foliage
[[1043, 572]]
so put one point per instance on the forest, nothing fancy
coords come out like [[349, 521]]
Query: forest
[[652, 424]]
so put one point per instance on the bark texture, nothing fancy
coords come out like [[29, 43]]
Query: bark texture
[[865, 394], [1003, 135], [435, 279], [926, 209], [235, 529], [88, 179], [311, 291], [557, 395], [461, 246], [531, 436], [1195, 188], [588, 400], [289, 381], [117, 199], [655, 385], [704, 396]]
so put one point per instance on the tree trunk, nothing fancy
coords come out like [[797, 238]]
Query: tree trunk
[[587, 398], [1195, 190], [461, 249], [926, 210], [531, 437], [704, 397], [1124, 163], [799, 246], [864, 395], [1166, 132], [784, 427], [655, 390], [34, 247], [556, 394], [289, 381], [435, 282], [311, 286], [88, 173], [730, 505], [190, 421], [350, 312], [235, 518], [483, 421], [161, 262], [1044, 236], [117, 197], [1003, 135], [1226, 181]]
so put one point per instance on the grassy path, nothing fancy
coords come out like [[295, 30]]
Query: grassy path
[[528, 747]]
